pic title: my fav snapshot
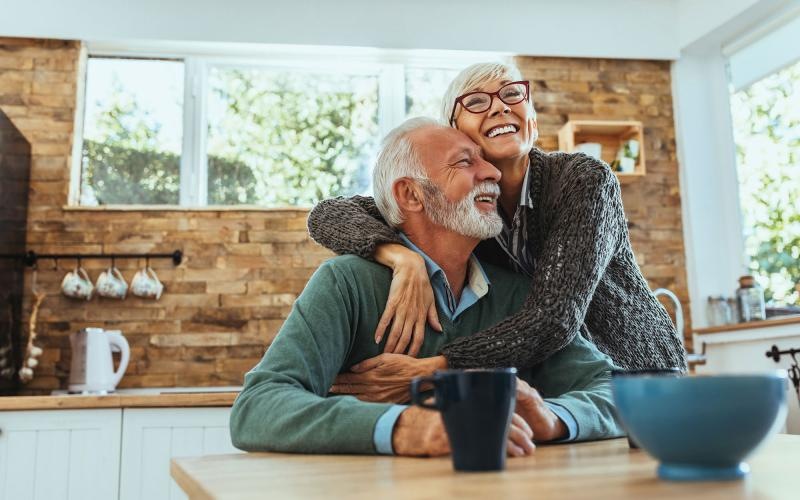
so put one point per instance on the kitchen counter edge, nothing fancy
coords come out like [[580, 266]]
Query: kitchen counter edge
[[77, 402]]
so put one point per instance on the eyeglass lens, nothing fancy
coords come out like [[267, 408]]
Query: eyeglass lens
[[479, 102]]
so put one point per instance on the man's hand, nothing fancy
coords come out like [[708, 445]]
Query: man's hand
[[385, 378], [520, 438], [420, 433], [545, 424]]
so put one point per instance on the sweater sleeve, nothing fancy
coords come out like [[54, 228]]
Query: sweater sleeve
[[350, 226], [284, 405], [585, 234]]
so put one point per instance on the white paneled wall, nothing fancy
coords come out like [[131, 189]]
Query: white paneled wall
[[62, 454]]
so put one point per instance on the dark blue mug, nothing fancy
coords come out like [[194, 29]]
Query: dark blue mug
[[476, 406]]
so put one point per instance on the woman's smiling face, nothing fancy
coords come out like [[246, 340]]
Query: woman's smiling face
[[503, 131]]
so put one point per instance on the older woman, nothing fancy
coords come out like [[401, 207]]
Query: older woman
[[564, 227]]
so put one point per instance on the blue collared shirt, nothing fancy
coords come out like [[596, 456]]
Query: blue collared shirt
[[476, 287]]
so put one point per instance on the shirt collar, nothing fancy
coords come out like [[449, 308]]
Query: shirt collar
[[525, 198], [477, 281]]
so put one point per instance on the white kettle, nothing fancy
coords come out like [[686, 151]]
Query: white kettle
[[92, 369]]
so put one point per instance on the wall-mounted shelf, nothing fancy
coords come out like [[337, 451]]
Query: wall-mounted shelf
[[610, 134]]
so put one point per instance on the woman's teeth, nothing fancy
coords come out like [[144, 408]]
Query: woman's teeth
[[507, 129]]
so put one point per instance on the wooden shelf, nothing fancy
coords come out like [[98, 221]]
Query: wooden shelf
[[610, 134]]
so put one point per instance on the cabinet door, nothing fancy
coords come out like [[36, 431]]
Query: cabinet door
[[153, 436], [60, 454]]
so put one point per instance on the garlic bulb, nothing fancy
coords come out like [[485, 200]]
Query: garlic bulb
[[32, 362], [36, 351], [25, 374]]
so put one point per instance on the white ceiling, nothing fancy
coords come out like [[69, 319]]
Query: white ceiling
[[651, 29]]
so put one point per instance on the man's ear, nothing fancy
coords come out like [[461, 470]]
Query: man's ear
[[408, 195]]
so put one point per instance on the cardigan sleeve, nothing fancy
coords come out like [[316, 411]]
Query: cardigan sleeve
[[586, 232], [350, 226]]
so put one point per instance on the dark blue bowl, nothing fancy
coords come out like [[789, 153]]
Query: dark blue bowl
[[700, 428]]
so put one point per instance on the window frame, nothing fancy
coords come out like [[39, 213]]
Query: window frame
[[198, 59]]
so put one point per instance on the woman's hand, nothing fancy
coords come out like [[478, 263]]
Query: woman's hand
[[410, 302], [385, 378]]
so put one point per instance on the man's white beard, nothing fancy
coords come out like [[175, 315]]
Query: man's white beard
[[463, 217]]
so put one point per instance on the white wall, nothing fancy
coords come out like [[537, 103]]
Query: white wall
[[706, 152], [696, 18], [570, 28], [776, 46], [712, 224]]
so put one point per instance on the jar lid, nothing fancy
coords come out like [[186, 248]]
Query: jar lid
[[716, 298], [747, 281]]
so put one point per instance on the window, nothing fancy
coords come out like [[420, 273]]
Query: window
[[197, 131], [766, 121], [288, 138], [132, 132], [424, 90]]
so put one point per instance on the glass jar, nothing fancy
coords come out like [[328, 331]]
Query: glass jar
[[719, 312], [750, 299]]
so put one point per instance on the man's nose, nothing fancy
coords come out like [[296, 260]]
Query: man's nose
[[488, 172]]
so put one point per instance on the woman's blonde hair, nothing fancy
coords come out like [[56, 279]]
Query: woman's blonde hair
[[472, 78]]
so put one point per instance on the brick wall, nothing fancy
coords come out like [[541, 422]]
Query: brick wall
[[243, 269]]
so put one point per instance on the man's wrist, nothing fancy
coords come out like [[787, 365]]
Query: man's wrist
[[432, 364], [557, 429]]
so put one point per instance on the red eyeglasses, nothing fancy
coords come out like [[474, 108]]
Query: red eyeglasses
[[478, 102]]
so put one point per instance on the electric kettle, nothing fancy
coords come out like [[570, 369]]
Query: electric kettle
[[92, 369]]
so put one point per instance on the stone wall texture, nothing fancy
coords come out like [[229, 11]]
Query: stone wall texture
[[243, 268]]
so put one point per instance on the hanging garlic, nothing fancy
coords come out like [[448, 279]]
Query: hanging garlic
[[32, 362], [25, 374]]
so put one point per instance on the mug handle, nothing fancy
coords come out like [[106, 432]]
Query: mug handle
[[117, 273], [417, 397], [83, 274], [149, 271]]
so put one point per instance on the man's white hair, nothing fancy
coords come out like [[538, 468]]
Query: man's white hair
[[398, 158], [472, 78]]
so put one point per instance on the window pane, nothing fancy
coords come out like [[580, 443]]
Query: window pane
[[424, 90], [766, 122], [278, 138], [133, 131]]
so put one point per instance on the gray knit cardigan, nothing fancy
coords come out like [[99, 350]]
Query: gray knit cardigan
[[586, 277]]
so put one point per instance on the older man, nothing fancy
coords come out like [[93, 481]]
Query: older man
[[433, 185]]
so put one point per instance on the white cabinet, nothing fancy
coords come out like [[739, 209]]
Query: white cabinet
[[152, 436], [104, 454], [744, 351], [60, 454]]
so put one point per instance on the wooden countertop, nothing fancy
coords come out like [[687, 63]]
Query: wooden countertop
[[782, 320], [75, 401], [596, 470]]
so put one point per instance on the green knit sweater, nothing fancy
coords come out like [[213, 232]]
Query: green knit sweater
[[285, 405]]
